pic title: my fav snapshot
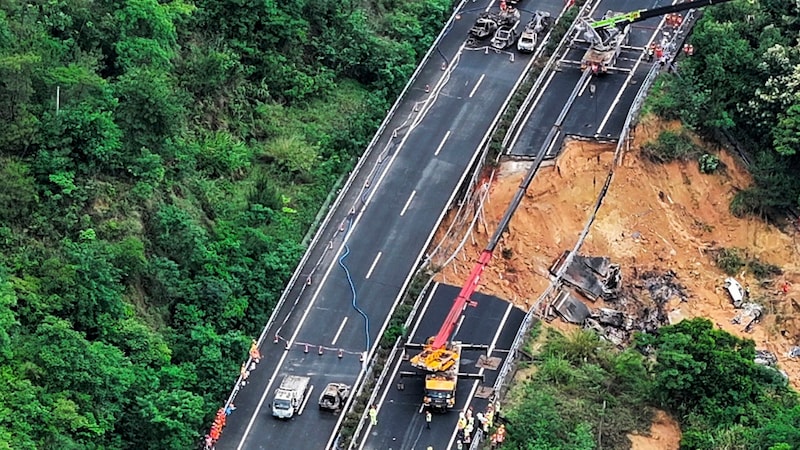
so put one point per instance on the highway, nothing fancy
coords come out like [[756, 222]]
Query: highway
[[378, 230], [600, 110], [597, 112], [401, 426]]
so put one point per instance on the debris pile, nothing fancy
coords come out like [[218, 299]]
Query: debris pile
[[639, 307]]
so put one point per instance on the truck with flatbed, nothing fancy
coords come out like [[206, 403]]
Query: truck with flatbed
[[289, 396]]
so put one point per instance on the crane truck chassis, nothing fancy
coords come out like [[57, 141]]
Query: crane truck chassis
[[441, 372]]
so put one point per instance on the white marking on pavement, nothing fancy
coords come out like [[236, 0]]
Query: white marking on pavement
[[480, 372], [585, 84], [374, 263], [531, 108], [308, 396], [399, 362], [630, 75], [339, 331], [477, 85], [408, 202], [441, 144]]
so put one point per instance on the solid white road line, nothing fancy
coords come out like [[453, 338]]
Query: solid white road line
[[408, 202], [585, 84], [441, 144], [377, 258], [630, 75], [477, 85], [480, 372], [305, 402], [388, 381], [338, 332], [542, 90]]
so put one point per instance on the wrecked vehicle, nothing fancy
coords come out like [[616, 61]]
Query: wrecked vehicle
[[334, 396], [736, 291]]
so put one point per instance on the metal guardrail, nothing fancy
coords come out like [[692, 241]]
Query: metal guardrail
[[343, 193], [387, 368]]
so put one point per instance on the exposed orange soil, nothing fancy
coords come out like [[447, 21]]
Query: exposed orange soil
[[665, 434], [639, 231]]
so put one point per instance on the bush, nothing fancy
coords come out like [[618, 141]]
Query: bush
[[729, 260], [762, 270], [708, 163], [670, 146]]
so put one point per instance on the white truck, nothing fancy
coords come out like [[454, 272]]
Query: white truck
[[289, 396]]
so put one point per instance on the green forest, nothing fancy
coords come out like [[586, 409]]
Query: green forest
[[583, 394], [161, 162], [743, 82]]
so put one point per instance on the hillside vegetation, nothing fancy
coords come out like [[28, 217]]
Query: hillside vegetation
[[584, 394], [744, 80], [160, 163]]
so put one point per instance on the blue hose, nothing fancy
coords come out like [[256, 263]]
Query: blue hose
[[353, 288]]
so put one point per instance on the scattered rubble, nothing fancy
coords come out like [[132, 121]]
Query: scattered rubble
[[751, 311], [766, 358]]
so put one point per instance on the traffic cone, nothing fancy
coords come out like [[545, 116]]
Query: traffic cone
[[444, 66], [276, 339], [320, 350], [361, 357], [308, 281], [305, 350], [427, 88], [341, 353]]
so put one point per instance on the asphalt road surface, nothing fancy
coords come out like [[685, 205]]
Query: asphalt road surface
[[401, 426], [383, 229], [602, 106]]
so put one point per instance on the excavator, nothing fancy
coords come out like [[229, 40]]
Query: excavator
[[606, 36]]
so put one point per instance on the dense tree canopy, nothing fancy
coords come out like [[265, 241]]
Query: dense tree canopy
[[744, 79], [160, 162], [584, 394]]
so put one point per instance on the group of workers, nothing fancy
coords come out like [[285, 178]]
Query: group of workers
[[219, 420], [219, 423]]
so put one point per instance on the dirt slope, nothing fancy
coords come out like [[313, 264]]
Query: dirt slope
[[654, 217]]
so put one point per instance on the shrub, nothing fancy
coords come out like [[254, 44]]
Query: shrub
[[762, 270], [669, 146], [729, 260], [708, 163]]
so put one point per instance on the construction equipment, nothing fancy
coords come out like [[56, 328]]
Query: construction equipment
[[609, 34], [334, 396], [290, 396], [540, 23], [489, 22]]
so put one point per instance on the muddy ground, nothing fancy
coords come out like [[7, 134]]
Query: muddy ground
[[656, 217]]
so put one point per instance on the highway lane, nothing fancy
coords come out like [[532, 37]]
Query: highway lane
[[602, 106], [404, 203], [401, 426]]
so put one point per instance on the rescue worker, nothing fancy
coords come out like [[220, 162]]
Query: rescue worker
[[254, 353], [501, 434], [468, 433], [428, 417], [650, 53], [373, 416], [462, 421], [690, 50], [482, 421]]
